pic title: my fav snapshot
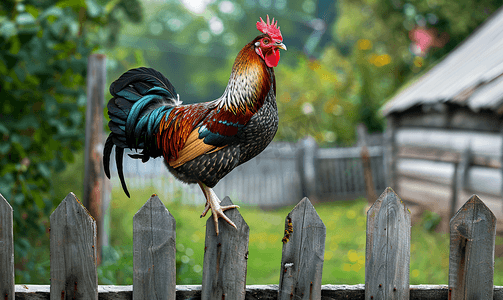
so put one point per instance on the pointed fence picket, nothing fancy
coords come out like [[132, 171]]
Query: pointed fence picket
[[154, 251], [6, 251], [388, 249], [73, 252], [303, 253], [74, 275], [473, 233], [225, 257]]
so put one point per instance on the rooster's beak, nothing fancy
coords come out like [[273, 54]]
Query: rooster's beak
[[281, 46]]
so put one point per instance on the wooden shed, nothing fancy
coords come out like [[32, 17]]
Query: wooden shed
[[444, 137]]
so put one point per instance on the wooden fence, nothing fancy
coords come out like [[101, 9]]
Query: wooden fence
[[74, 273]]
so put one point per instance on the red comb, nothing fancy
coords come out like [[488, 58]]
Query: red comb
[[271, 29]]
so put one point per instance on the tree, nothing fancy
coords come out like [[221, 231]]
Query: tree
[[44, 47]]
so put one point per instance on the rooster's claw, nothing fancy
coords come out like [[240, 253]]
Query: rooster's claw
[[213, 203]]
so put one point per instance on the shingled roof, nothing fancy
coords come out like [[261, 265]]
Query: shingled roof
[[471, 75]]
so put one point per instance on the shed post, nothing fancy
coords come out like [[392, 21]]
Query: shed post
[[307, 165], [459, 179], [390, 151], [367, 169]]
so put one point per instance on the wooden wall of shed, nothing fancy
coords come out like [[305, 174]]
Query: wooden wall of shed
[[439, 155], [449, 116]]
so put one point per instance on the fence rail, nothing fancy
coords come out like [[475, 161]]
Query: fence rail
[[73, 257]]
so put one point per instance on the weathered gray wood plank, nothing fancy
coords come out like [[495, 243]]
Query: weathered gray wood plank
[[446, 156], [225, 257], [303, 253], [6, 251], [471, 258], [387, 249], [154, 257], [253, 292], [73, 252], [457, 119], [481, 143]]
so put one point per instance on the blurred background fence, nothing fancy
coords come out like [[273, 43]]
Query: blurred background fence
[[282, 172]]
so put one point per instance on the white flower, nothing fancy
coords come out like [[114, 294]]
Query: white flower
[[307, 108]]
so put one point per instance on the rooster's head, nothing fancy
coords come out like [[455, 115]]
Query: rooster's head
[[269, 42]]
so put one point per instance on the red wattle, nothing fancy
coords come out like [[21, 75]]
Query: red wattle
[[272, 58]]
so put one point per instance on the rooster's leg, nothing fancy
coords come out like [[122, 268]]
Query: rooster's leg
[[213, 203]]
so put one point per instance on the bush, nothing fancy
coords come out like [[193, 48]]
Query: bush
[[44, 47]]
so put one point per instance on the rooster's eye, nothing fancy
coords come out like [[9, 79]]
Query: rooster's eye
[[266, 41]]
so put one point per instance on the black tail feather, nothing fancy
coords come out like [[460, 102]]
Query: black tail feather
[[107, 151], [119, 152]]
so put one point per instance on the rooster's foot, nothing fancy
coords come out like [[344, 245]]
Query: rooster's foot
[[213, 203]]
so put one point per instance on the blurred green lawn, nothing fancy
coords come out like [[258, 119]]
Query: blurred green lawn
[[344, 252]]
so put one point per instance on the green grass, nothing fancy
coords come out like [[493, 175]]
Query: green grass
[[344, 251]]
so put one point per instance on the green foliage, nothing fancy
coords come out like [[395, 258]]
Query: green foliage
[[44, 47], [42, 73]]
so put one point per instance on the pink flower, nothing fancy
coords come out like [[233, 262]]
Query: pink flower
[[425, 38]]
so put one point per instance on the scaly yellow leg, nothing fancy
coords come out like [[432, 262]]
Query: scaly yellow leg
[[213, 203]]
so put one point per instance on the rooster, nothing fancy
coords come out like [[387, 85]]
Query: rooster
[[202, 142]]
